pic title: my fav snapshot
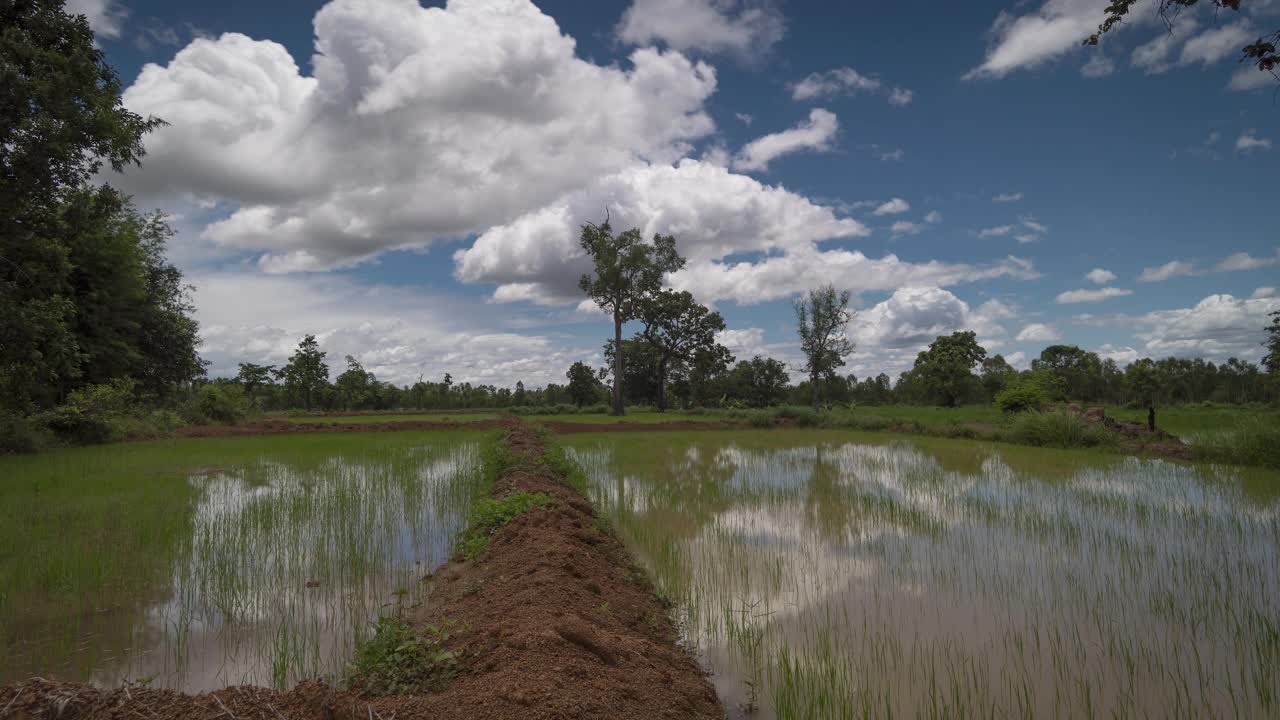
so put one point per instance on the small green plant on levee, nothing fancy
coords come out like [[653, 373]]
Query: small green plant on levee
[[490, 514], [398, 659]]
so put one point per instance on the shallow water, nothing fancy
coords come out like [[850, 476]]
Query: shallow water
[[268, 567], [834, 575]]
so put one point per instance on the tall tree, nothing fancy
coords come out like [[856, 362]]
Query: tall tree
[[1143, 381], [61, 120], [677, 327], [306, 371], [759, 382], [627, 271], [996, 373], [946, 367], [583, 384], [1261, 53], [354, 384], [821, 319], [253, 377]]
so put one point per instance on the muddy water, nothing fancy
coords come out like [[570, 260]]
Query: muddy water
[[832, 575], [271, 566]]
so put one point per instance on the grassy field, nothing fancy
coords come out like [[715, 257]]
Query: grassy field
[[827, 573], [217, 561], [395, 417]]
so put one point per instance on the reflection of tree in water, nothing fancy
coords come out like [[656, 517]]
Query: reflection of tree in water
[[688, 483], [826, 509]]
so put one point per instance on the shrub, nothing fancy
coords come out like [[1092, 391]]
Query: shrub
[[597, 409], [397, 660], [94, 414], [1059, 429], [1021, 396], [223, 403]]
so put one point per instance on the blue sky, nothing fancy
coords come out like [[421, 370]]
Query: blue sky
[[404, 180]]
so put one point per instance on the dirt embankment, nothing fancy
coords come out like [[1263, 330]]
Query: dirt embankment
[[278, 427], [554, 620]]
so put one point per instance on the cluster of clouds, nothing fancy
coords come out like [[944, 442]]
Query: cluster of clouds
[[847, 81], [479, 120], [1025, 40]]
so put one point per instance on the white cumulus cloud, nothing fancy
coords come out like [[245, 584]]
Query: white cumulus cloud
[[816, 135], [1091, 295], [1249, 141], [1100, 276], [417, 124], [738, 27], [1039, 332], [892, 207], [1171, 269]]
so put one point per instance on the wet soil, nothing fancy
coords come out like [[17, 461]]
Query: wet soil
[[554, 620]]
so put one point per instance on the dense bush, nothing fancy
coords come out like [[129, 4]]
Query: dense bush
[[1059, 429], [1031, 392], [223, 403], [94, 414]]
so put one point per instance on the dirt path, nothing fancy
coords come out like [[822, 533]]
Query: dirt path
[[554, 620]]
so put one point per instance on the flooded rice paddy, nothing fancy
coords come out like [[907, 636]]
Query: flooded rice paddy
[[198, 564], [834, 575]]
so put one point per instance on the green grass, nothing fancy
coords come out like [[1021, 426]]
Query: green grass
[[1192, 419], [633, 417], [489, 515], [398, 417], [242, 559], [399, 659], [1253, 441]]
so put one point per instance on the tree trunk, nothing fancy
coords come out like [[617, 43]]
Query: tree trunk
[[1151, 418], [662, 385], [617, 365], [813, 386]]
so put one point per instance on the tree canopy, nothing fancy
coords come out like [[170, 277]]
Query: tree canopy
[[946, 367], [677, 327], [821, 318], [627, 272], [1261, 52]]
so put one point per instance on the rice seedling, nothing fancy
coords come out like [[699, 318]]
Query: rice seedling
[[203, 563], [825, 574]]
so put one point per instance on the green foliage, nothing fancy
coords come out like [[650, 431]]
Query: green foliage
[[759, 382], [1059, 429], [79, 268], [678, 328], [584, 387], [94, 413], [627, 272], [555, 459], [399, 660], [821, 318], [223, 403], [1271, 361], [946, 367], [19, 434], [1255, 441], [1030, 392], [306, 372], [491, 514]]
